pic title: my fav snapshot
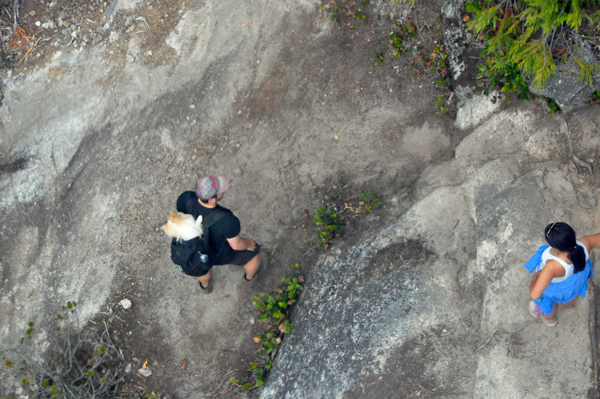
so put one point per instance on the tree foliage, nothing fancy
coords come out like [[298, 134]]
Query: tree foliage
[[532, 34]]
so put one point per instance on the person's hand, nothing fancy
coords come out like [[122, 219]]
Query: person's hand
[[251, 244]]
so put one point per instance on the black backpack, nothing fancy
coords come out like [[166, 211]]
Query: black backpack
[[197, 252]]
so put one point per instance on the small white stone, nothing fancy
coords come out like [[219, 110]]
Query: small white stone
[[192, 106], [145, 372], [125, 303], [38, 23]]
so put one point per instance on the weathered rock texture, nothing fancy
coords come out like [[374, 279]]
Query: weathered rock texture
[[409, 310], [455, 36], [565, 87]]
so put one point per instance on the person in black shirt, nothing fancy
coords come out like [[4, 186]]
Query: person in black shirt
[[227, 245]]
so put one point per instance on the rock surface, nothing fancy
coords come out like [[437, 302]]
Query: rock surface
[[412, 309], [97, 144], [455, 36], [565, 87]]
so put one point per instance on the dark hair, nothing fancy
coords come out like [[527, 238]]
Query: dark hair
[[561, 236], [186, 201]]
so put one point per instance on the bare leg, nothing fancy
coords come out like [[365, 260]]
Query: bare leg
[[204, 279], [551, 315], [571, 303], [251, 267]]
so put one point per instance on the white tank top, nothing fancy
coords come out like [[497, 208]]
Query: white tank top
[[546, 256]]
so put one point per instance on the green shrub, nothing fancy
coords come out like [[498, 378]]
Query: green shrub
[[524, 35]]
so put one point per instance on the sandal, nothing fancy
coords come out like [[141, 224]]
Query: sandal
[[536, 312], [208, 289], [570, 310]]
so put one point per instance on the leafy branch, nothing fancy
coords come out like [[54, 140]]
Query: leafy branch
[[531, 35]]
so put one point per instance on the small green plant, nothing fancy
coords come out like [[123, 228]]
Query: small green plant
[[440, 101], [295, 266], [552, 106], [508, 80], [259, 372], [379, 57], [345, 11], [369, 201], [244, 385], [328, 225], [409, 195], [274, 311]]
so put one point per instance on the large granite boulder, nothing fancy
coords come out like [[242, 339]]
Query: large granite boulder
[[436, 302]]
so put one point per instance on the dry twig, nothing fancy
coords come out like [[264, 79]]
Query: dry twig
[[496, 330], [31, 48]]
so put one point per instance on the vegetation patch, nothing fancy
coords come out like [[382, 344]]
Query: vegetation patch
[[346, 12], [79, 363], [417, 49], [525, 39], [329, 219], [274, 311]]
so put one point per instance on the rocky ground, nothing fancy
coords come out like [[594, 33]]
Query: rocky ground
[[119, 107]]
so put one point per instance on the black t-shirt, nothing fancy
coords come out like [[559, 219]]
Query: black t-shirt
[[228, 227]]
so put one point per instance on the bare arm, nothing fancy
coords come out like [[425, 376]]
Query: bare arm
[[541, 279], [238, 243], [591, 242]]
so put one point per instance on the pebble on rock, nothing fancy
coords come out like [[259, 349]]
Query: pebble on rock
[[125, 303], [38, 23]]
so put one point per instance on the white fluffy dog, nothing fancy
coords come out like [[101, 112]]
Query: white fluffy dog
[[183, 226]]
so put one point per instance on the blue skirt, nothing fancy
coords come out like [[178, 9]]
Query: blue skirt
[[564, 291]]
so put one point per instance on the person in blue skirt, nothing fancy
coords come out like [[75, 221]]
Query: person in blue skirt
[[562, 270]]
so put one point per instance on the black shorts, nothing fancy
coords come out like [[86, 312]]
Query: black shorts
[[196, 271], [239, 258]]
